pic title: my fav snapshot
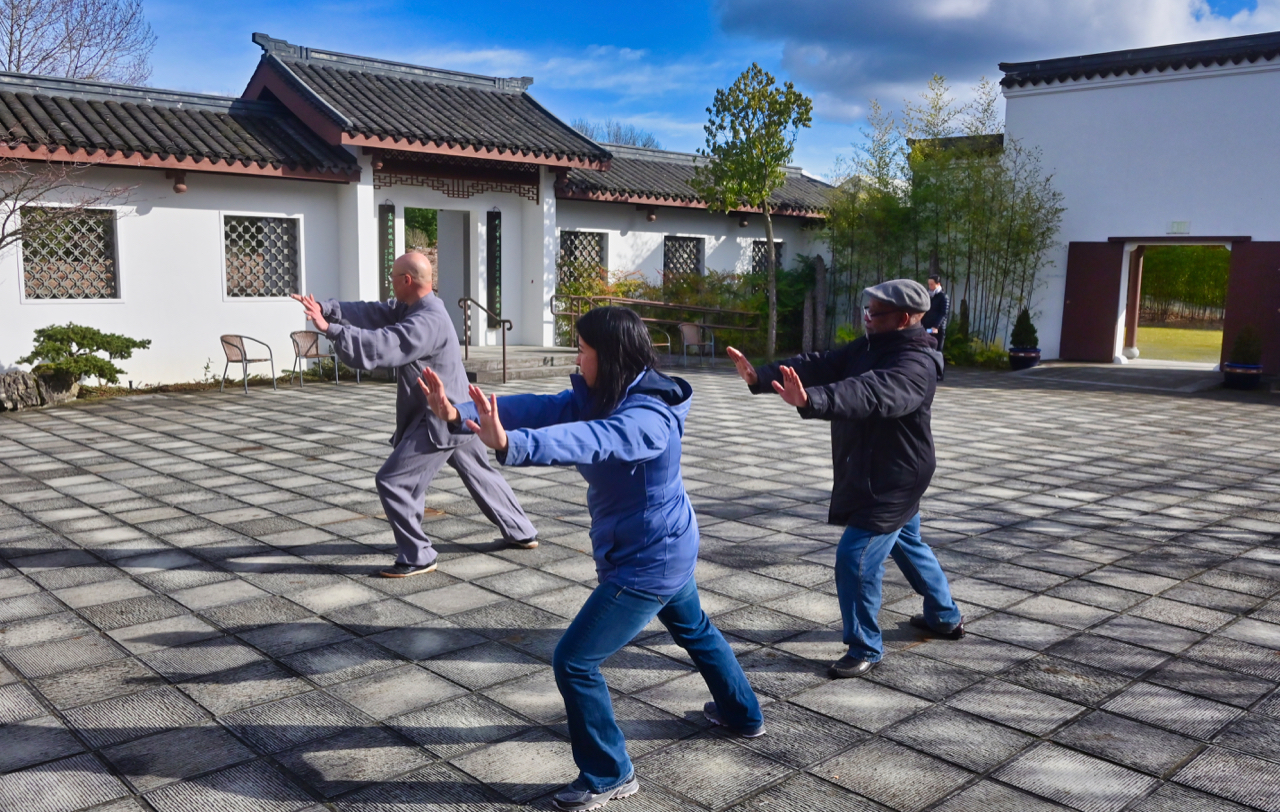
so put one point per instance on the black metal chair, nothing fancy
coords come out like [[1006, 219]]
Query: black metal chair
[[233, 347]]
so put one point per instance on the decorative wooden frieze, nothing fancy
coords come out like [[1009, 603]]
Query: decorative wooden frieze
[[455, 187]]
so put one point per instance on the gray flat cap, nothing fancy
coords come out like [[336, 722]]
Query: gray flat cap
[[904, 294]]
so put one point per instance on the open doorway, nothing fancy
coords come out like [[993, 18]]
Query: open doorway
[[1177, 300], [422, 233]]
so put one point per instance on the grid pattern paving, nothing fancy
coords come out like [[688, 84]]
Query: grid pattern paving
[[189, 619]]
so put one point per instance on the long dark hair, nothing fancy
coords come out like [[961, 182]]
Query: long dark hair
[[623, 349]]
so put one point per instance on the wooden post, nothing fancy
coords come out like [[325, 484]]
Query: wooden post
[[806, 329], [821, 340]]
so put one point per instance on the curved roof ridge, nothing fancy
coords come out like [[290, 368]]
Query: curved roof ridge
[[284, 50], [1201, 53], [91, 90]]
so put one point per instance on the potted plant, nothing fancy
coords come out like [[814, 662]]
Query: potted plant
[[1243, 370], [1024, 344]]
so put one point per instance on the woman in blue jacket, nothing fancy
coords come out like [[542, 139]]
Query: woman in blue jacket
[[621, 424]]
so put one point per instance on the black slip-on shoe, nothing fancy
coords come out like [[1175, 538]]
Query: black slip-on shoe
[[949, 634], [847, 667], [526, 544], [712, 713], [579, 798], [405, 570]]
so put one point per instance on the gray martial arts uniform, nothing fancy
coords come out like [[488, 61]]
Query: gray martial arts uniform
[[373, 335]]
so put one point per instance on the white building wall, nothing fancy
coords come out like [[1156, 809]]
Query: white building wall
[[171, 276], [635, 244], [1133, 155]]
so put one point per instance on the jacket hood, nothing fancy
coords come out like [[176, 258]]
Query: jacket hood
[[675, 392], [914, 338]]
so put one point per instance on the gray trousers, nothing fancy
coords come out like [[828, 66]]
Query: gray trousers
[[405, 476]]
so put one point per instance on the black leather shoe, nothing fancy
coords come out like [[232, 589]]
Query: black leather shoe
[[952, 634], [847, 667]]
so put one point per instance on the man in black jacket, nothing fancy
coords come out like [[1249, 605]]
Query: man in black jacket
[[876, 392], [935, 321]]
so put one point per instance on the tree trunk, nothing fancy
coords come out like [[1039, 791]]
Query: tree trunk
[[806, 327], [820, 338], [771, 257]]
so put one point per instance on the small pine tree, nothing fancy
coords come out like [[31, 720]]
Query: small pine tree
[[1024, 333], [963, 323], [71, 351], [1247, 348]]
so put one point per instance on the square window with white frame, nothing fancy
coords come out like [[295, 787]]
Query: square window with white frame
[[69, 253], [681, 257], [262, 256], [760, 255]]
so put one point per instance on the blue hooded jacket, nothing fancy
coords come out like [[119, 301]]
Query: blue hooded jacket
[[643, 531]]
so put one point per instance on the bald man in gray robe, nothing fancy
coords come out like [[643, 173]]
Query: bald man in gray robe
[[413, 333]]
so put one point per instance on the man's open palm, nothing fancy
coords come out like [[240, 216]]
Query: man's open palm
[[791, 390], [490, 429], [745, 371], [313, 310], [437, 400]]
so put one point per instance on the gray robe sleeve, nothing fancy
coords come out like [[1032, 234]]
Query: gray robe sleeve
[[381, 344]]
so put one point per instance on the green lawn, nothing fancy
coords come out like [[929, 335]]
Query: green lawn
[[1179, 344]]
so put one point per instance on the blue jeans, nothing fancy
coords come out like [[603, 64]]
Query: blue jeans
[[610, 619], [860, 569]]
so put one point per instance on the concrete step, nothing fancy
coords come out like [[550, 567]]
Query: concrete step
[[521, 373]]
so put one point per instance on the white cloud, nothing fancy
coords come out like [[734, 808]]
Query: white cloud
[[626, 72], [853, 50]]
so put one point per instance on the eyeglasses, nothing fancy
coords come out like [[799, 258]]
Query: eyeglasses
[[867, 311]]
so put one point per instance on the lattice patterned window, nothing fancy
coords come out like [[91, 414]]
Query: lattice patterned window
[[262, 255], [681, 257], [69, 255], [582, 259], [760, 255]]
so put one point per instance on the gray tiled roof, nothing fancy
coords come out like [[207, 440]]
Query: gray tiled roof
[[638, 172], [1232, 50], [380, 99], [86, 116]]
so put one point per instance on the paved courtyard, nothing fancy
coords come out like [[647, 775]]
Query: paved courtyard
[[188, 621]]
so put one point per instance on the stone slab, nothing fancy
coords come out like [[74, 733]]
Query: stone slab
[[896, 776], [60, 786], [965, 740], [253, 787], [1077, 780], [1238, 777], [288, 722], [133, 716], [352, 759], [176, 755], [1133, 744], [396, 691], [711, 771]]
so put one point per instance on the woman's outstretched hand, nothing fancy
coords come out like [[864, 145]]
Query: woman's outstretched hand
[[437, 400], [490, 430], [740, 362]]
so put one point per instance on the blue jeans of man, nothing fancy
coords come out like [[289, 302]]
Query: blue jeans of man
[[609, 619], [860, 560]]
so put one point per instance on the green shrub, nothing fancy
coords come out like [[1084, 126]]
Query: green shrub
[[976, 353], [71, 351], [1247, 348], [847, 334], [1024, 332]]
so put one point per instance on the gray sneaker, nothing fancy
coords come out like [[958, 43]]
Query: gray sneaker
[[577, 797]]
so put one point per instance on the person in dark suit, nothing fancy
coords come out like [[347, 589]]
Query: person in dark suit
[[935, 321]]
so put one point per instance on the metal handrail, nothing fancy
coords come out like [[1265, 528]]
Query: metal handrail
[[576, 305], [505, 326]]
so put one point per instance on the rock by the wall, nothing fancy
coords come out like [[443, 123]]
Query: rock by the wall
[[22, 390], [55, 390], [18, 390]]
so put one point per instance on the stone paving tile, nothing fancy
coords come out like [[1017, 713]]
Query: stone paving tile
[[1092, 549], [1075, 779], [60, 786]]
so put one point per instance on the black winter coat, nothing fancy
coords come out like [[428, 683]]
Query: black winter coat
[[877, 393]]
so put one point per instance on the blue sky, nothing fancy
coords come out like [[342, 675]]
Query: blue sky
[[657, 64]]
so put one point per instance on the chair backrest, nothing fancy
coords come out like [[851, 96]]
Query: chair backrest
[[306, 343], [233, 346], [691, 333]]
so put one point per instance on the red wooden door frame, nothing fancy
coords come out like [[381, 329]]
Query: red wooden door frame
[[1091, 301], [1253, 297]]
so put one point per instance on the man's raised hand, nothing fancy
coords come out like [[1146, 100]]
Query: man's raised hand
[[437, 400], [490, 429], [791, 390], [313, 310], [745, 370]]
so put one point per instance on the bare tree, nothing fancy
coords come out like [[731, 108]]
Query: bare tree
[[57, 190], [616, 132], [104, 40]]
